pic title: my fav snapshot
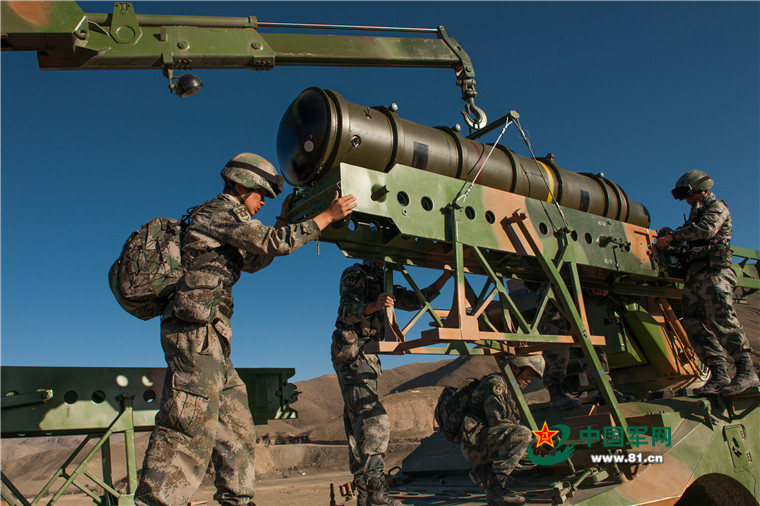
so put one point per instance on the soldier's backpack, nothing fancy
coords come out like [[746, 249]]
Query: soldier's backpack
[[144, 277], [452, 407]]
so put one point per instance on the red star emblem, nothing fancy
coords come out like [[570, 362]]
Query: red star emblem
[[545, 436]]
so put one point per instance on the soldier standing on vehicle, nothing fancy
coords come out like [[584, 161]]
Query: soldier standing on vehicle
[[708, 312], [204, 415], [361, 320], [492, 437]]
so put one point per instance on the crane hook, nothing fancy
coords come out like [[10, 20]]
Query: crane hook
[[474, 116]]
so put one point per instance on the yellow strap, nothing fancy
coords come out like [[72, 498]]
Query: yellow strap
[[549, 179]]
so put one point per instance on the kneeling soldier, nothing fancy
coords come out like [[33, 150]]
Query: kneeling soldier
[[492, 437]]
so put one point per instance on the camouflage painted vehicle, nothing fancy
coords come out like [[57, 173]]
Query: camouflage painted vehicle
[[432, 198], [528, 220]]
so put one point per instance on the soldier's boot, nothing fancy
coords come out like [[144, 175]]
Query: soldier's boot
[[559, 400], [745, 378], [621, 397], [498, 495], [718, 379], [360, 482], [378, 493]]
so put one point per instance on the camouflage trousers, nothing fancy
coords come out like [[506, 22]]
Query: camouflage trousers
[[203, 417], [709, 317], [557, 359], [367, 425], [500, 446]]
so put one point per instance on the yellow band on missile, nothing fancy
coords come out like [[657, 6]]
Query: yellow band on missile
[[549, 180]]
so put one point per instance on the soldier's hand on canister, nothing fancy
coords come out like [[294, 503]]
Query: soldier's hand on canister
[[339, 208], [342, 206]]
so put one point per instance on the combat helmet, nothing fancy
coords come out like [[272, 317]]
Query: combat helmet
[[535, 362], [253, 172], [692, 182]]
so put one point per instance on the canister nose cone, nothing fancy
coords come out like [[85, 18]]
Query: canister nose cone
[[303, 137]]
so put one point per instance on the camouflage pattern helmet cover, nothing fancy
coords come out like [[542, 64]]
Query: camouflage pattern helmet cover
[[692, 182], [253, 172], [535, 362]]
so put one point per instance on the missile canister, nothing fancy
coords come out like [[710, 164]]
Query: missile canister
[[321, 129]]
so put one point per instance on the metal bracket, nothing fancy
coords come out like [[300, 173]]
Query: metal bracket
[[124, 26]]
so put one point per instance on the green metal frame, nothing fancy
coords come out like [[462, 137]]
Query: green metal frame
[[502, 343], [124, 424], [100, 403]]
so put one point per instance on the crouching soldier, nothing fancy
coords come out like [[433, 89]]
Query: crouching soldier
[[492, 437]]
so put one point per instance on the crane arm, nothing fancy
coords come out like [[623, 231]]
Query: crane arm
[[67, 38]]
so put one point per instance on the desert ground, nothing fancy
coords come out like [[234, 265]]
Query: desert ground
[[297, 461]]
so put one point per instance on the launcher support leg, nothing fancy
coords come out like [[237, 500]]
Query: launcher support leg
[[458, 317], [574, 310], [105, 457], [129, 447]]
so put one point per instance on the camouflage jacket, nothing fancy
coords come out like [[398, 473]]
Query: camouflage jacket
[[490, 405], [708, 226], [360, 285], [221, 240]]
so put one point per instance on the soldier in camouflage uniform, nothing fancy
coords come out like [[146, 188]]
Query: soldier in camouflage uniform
[[557, 359], [492, 437], [708, 314], [204, 415], [361, 320]]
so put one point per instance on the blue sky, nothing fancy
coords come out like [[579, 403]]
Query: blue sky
[[641, 91]]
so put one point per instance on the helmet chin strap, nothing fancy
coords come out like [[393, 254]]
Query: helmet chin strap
[[242, 197]]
